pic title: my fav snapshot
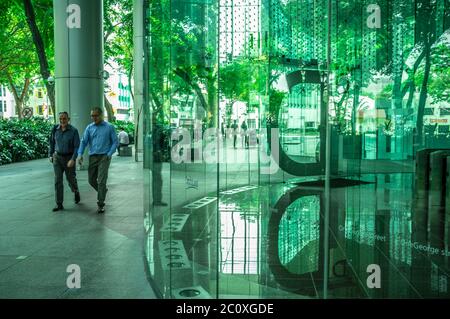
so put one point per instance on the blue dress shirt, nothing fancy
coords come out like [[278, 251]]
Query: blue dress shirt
[[101, 138]]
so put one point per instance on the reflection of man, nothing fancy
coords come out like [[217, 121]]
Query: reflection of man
[[64, 142], [244, 128], [124, 140], [102, 140], [235, 128], [158, 159], [223, 130]]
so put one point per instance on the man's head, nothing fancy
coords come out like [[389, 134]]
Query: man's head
[[63, 119], [97, 115]]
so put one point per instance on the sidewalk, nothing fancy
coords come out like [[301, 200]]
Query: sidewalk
[[37, 245]]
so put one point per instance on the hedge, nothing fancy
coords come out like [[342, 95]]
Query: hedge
[[23, 140], [27, 139], [127, 126]]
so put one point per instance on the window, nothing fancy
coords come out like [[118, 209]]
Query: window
[[40, 93], [2, 106]]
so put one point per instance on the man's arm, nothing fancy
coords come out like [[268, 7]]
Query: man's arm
[[114, 141], [76, 144], [84, 142], [51, 142]]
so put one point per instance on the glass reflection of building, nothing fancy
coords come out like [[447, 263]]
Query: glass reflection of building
[[347, 97]]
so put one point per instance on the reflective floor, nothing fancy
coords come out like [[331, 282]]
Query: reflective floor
[[268, 242]]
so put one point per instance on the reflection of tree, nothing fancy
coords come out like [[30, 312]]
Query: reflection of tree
[[241, 77], [420, 72], [181, 61], [404, 44], [439, 88], [184, 58], [299, 229]]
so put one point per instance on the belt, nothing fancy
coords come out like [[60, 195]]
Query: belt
[[64, 154]]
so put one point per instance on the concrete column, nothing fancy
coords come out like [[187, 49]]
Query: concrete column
[[78, 58], [138, 39]]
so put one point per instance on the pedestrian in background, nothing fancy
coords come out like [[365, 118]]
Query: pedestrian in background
[[235, 128], [244, 134], [124, 139]]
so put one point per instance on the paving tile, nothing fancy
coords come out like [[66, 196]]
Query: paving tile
[[99, 244]]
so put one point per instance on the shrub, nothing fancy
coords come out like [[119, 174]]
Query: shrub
[[23, 140], [128, 127]]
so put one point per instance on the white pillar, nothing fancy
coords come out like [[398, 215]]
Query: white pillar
[[78, 58]]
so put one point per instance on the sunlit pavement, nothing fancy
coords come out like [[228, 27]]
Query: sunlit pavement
[[37, 245]]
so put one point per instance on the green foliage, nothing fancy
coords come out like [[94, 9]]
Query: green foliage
[[127, 126], [241, 77], [118, 33], [275, 100], [438, 82], [386, 92], [18, 60], [23, 140], [438, 87], [19, 63], [17, 57]]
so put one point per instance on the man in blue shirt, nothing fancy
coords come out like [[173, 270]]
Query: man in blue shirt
[[102, 140], [63, 147]]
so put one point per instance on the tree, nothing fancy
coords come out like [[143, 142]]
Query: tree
[[17, 59], [184, 56], [241, 77], [42, 49], [118, 40], [439, 88]]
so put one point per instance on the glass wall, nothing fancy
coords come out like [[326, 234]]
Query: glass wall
[[298, 148]]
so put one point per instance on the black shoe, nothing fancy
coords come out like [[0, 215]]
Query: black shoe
[[160, 204], [101, 210], [58, 207], [77, 197]]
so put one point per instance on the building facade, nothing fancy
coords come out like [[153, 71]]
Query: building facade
[[7, 104], [118, 92]]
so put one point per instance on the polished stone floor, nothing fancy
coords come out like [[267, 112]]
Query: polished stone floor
[[255, 238], [268, 241], [37, 245]]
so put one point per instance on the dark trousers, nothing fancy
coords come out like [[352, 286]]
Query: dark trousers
[[98, 175], [60, 167], [246, 142]]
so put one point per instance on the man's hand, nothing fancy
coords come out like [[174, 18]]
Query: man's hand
[[50, 159], [80, 160], [71, 163]]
